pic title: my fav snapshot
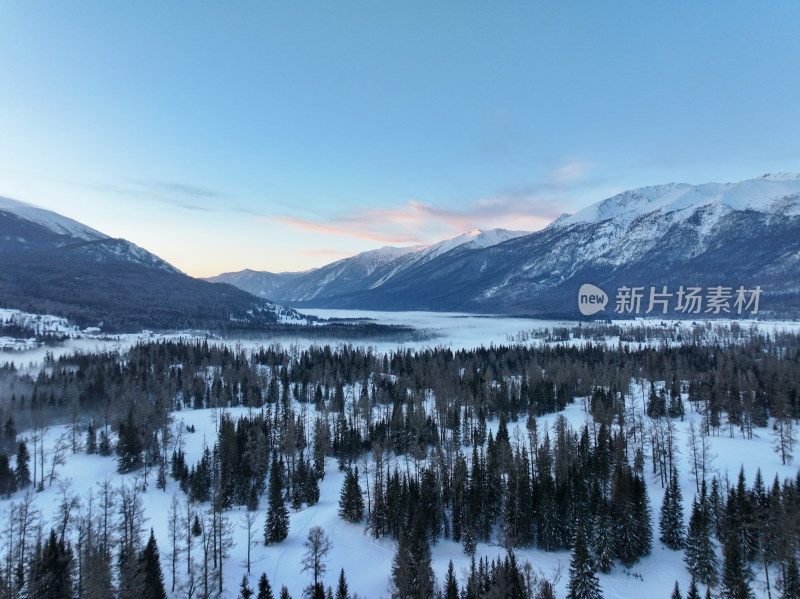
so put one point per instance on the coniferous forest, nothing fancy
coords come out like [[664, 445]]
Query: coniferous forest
[[435, 445]]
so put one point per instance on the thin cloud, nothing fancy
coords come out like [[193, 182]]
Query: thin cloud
[[180, 195], [415, 223]]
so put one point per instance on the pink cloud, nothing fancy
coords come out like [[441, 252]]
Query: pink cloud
[[324, 252], [415, 223]]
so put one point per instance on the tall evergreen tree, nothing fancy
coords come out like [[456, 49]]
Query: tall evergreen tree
[[245, 592], [51, 575], [603, 539], [671, 517], [129, 445], [8, 480], [791, 581], [276, 528], [351, 502], [676, 592], [699, 550], [450, 583], [264, 588], [736, 573], [23, 470], [412, 574], [152, 581], [693, 592], [583, 583], [342, 592]]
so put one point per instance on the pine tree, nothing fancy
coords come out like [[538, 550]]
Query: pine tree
[[311, 485], [693, 592], [671, 517], [736, 572], [583, 583], [412, 575], [285, 593], [150, 565], [264, 588], [676, 592], [104, 444], [791, 581], [23, 471], [450, 583], [276, 528], [351, 502], [699, 550], [91, 438], [245, 592], [51, 576], [8, 479], [603, 540], [129, 445], [342, 592]]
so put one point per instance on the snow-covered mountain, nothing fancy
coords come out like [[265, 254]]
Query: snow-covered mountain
[[53, 222], [50, 264], [731, 234], [364, 271]]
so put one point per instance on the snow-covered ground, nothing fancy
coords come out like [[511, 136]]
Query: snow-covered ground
[[441, 329], [366, 561]]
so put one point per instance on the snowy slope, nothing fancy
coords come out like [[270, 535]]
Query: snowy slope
[[367, 270], [50, 220]]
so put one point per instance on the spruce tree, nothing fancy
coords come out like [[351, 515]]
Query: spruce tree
[[450, 583], [342, 592], [245, 592], [791, 581], [351, 502], [23, 471], [285, 593], [603, 540], [699, 550], [676, 592], [264, 588], [412, 574], [583, 583], [8, 480], [693, 592], [736, 572], [152, 586], [51, 575], [311, 485], [671, 517], [276, 528]]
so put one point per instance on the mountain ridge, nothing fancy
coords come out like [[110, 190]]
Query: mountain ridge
[[50, 264], [745, 233]]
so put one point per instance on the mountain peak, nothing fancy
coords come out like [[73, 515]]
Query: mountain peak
[[762, 194]]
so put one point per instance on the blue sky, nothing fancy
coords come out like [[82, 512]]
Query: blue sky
[[285, 135]]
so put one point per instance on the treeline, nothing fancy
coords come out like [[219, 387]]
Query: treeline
[[22, 331], [749, 381]]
